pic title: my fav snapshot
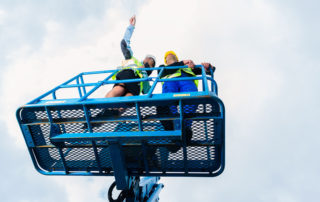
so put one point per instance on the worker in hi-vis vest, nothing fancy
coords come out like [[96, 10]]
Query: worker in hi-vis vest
[[131, 68], [171, 59]]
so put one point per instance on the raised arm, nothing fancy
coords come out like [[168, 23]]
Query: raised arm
[[125, 42]]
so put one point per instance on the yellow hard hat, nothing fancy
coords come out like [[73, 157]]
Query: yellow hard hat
[[168, 53]]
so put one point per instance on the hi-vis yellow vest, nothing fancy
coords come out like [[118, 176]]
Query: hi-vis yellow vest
[[187, 70], [133, 64]]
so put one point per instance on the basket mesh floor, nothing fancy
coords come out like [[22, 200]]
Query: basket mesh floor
[[201, 154]]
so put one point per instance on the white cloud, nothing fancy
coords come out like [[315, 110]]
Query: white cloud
[[32, 72], [2, 16], [93, 44], [264, 81], [83, 189]]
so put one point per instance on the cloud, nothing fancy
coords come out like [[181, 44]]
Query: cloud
[[267, 72], [19, 181], [61, 48], [2, 16]]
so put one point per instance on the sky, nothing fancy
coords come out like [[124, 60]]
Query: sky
[[267, 59]]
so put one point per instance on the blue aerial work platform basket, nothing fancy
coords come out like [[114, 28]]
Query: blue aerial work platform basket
[[67, 136]]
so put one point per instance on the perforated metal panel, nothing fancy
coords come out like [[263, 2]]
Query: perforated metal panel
[[199, 154]]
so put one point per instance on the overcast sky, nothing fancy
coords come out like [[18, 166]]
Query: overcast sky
[[267, 59]]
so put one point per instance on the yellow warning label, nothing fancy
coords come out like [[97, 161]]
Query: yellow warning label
[[181, 95]]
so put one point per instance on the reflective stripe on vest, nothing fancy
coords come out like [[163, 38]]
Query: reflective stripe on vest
[[178, 73], [132, 64]]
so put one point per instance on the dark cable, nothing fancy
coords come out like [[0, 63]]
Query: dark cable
[[122, 196]]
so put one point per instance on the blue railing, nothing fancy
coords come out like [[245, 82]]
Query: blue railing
[[47, 124], [83, 93]]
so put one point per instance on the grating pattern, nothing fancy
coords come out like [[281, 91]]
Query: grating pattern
[[75, 113], [80, 157], [199, 128], [40, 134], [148, 110], [32, 116], [161, 159], [49, 159], [152, 126], [104, 157]]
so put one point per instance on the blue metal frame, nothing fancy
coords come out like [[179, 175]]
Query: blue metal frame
[[57, 146], [80, 86]]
